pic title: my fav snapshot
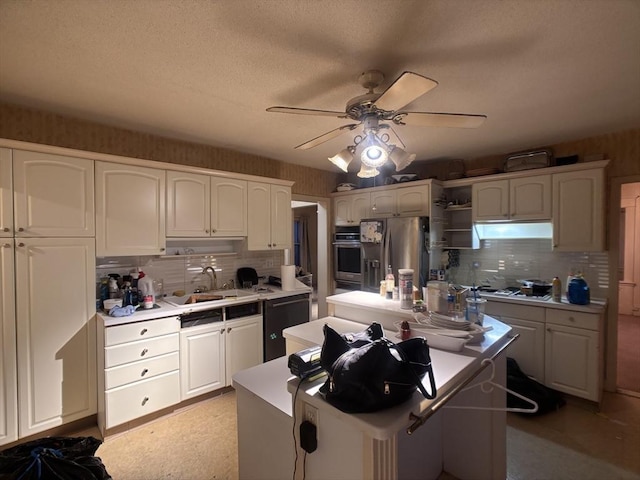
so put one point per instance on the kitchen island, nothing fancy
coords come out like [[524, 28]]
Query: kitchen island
[[467, 441]]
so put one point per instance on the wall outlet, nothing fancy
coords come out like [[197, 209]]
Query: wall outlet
[[268, 263], [311, 414]]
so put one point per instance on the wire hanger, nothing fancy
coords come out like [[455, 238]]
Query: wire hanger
[[488, 385]]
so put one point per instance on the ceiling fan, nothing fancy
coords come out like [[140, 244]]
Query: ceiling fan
[[372, 110]]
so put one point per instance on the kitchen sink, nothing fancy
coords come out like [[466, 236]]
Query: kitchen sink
[[213, 296]]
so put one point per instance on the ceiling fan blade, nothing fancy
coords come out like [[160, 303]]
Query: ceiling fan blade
[[325, 137], [306, 111], [404, 90], [428, 119]]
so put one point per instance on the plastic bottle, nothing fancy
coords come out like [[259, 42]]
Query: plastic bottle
[[391, 282], [383, 288], [145, 286], [556, 288], [405, 283], [113, 288], [569, 278]]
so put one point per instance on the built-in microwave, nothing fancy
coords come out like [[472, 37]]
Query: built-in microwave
[[347, 257]]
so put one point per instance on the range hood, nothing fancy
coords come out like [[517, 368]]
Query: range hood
[[513, 230]]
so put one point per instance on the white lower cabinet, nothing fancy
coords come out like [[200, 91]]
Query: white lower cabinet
[[572, 354], [8, 367], [139, 370], [243, 345], [202, 357], [560, 348]]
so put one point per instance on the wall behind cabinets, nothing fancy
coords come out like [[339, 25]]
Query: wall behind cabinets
[[532, 259]]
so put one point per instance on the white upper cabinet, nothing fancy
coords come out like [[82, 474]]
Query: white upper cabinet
[[530, 198], [578, 211], [352, 208], [525, 198], [130, 210], [229, 207], [205, 206], [188, 205], [53, 195], [402, 201], [269, 216], [6, 193]]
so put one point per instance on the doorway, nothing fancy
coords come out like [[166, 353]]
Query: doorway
[[628, 275], [311, 239]]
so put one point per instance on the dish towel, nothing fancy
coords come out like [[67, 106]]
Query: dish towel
[[122, 311]]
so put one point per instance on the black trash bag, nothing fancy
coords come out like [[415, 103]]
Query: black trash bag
[[55, 458], [548, 400]]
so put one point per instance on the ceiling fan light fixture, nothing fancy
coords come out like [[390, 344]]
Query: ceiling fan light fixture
[[375, 152], [400, 158], [367, 172], [343, 158]]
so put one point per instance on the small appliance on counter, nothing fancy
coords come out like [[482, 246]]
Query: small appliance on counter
[[578, 291], [247, 274]]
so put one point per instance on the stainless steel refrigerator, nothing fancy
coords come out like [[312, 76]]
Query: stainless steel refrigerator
[[401, 242]]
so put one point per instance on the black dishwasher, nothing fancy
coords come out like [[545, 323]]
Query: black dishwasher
[[281, 313]]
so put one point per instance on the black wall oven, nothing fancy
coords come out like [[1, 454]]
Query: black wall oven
[[347, 257]]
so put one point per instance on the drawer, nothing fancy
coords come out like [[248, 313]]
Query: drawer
[[127, 403], [133, 372], [588, 321], [504, 309], [139, 330], [140, 350]]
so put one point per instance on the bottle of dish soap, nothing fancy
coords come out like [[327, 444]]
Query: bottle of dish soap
[[578, 291]]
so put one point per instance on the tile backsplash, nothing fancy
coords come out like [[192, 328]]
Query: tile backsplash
[[184, 271], [507, 261]]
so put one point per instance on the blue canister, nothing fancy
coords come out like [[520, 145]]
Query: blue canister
[[578, 291]]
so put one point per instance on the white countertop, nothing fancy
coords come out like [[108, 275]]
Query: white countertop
[[168, 310], [374, 302], [268, 381], [449, 370]]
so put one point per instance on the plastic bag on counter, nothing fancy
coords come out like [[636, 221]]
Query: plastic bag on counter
[[59, 458]]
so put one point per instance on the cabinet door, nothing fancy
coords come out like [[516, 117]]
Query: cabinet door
[[578, 211], [188, 205], [281, 217], [259, 216], [413, 201], [360, 207], [528, 351], [490, 200], [6, 193], [56, 337], [229, 207], [53, 195], [201, 359], [530, 198], [8, 380], [342, 208], [130, 210], [383, 204], [243, 345], [571, 363]]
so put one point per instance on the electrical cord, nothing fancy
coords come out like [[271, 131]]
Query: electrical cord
[[295, 442]]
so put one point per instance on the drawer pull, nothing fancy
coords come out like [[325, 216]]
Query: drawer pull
[[143, 331], [144, 372], [5, 229], [21, 229], [144, 401], [229, 330], [571, 319], [144, 352], [548, 329]]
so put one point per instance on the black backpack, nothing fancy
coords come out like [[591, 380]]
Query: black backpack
[[548, 400]]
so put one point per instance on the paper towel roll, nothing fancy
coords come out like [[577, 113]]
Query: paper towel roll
[[286, 256], [288, 277]]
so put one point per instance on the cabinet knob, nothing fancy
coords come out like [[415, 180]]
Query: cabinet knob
[[21, 244], [144, 401], [206, 231], [143, 331], [222, 331], [213, 230], [21, 229], [144, 372], [162, 249], [229, 330], [548, 329], [571, 319], [5, 229], [6, 245], [144, 352]]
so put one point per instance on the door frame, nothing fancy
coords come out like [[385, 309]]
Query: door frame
[[611, 332]]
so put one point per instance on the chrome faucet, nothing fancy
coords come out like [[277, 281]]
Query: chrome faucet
[[211, 272]]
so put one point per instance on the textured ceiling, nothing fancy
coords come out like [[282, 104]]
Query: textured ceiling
[[543, 71]]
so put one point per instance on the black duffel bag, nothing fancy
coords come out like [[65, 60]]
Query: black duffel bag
[[367, 372]]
